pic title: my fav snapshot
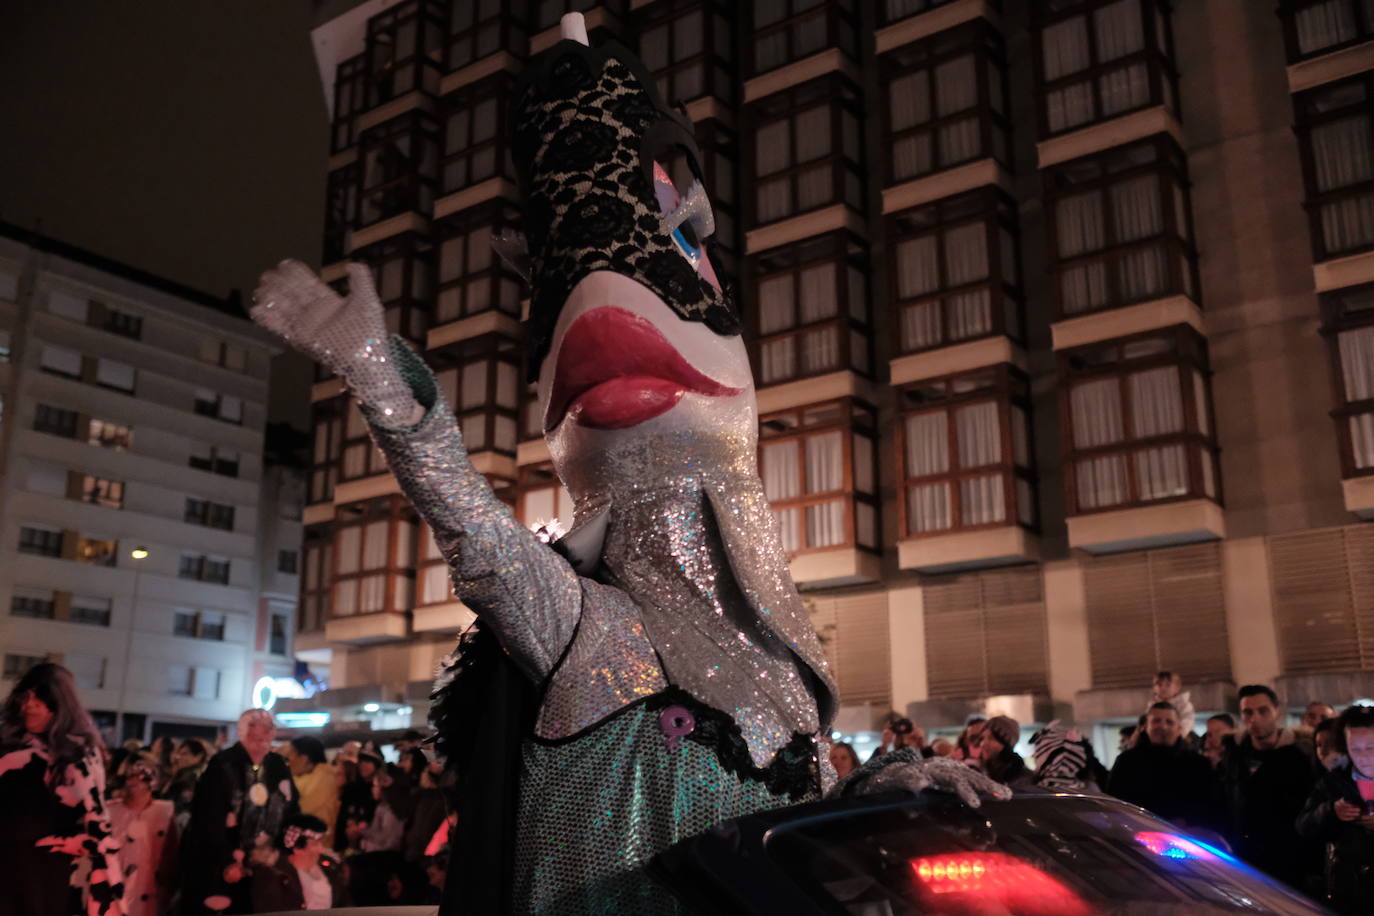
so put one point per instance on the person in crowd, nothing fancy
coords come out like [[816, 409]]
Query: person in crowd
[[436, 871], [427, 811], [188, 763], [240, 806], [843, 758], [1327, 745], [1064, 759], [316, 783], [303, 876], [1266, 778], [942, 747], [1125, 737], [1220, 729], [163, 752], [966, 747], [411, 740], [413, 762], [356, 803], [58, 852], [1317, 712], [1340, 811], [997, 752], [145, 828], [902, 732], [349, 752], [1163, 775], [391, 792], [1168, 688]]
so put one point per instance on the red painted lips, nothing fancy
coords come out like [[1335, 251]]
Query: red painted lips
[[615, 370]]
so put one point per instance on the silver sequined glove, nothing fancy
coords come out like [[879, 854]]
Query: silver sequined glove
[[905, 768], [347, 335]]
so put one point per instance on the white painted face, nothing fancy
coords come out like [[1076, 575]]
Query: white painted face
[[623, 366]]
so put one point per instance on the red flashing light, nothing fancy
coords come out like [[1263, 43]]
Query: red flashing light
[[994, 878]]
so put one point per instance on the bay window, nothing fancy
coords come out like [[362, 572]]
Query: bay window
[[315, 579], [400, 162], [472, 279], [812, 305], [479, 28], [807, 150], [341, 211], [480, 378], [1336, 127], [945, 101], [360, 457], [326, 422], [374, 558], [350, 95], [966, 452], [890, 11], [688, 48], [1316, 27], [1349, 326], [819, 475], [955, 270], [1139, 421], [547, 13], [475, 134], [789, 30], [1103, 58], [1121, 228], [404, 45], [403, 273], [543, 501]]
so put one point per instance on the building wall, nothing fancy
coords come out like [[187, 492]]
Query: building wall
[[142, 654], [1234, 612]]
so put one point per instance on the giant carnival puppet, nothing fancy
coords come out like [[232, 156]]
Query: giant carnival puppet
[[654, 671]]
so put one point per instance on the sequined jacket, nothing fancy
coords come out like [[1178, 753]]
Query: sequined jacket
[[530, 595]]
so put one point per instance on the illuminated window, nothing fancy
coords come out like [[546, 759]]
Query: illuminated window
[[819, 474], [1139, 425], [1103, 58], [966, 452], [1121, 228], [812, 307]]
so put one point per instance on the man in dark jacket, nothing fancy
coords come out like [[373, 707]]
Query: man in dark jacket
[[1266, 778], [1340, 812], [242, 800], [1162, 774]]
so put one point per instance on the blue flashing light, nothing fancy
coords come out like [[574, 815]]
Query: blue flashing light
[[1178, 848]]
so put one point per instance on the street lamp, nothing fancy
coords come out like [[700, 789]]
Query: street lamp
[[138, 554]]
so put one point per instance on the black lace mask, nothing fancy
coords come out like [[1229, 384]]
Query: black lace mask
[[589, 125]]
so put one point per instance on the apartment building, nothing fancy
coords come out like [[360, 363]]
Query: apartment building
[[144, 544], [1059, 313]]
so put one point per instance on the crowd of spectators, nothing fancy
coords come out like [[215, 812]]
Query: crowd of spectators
[[1296, 802], [185, 827]]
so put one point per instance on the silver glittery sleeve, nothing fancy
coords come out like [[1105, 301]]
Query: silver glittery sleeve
[[515, 583]]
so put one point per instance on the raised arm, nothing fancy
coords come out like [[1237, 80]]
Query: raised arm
[[525, 591]]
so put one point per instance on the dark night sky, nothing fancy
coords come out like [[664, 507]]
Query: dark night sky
[[184, 137]]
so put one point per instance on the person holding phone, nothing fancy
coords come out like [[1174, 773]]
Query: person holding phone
[[1340, 811]]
